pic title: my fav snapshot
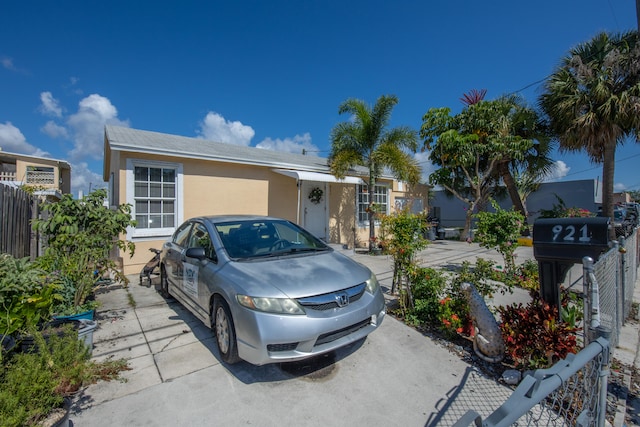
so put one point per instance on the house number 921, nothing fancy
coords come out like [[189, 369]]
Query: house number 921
[[570, 233]]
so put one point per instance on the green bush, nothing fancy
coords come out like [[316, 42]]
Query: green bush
[[427, 287], [80, 235], [26, 296], [34, 383]]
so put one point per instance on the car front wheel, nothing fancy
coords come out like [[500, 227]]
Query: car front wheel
[[225, 332]]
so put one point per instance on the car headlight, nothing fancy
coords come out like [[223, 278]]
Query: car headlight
[[270, 305], [372, 284]]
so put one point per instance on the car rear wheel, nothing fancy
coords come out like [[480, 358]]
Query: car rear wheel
[[164, 283], [225, 331]]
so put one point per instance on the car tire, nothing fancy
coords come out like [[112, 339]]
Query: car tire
[[225, 332], [164, 283]]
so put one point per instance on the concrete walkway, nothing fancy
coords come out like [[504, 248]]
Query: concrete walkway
[[396, 376]]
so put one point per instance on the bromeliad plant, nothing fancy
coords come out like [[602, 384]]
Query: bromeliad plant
[[80, 235]]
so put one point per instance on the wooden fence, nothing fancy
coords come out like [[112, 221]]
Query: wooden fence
[[17, 209]]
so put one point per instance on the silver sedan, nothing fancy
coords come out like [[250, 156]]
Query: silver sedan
[[270, 290]]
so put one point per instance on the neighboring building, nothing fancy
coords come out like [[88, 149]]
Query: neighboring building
[[49, 177], [586, 194], [168, 179]]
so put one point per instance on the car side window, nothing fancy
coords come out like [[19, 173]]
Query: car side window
[[181, 235], [200, 239]]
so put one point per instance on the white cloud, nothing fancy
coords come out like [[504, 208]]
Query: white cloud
[[50, 106], [7, 63], [85, 180], [619, 187], [427, 167], [54, 130], [94, 112], [12, 140], [214, 127], [558, 170], [290, 145]]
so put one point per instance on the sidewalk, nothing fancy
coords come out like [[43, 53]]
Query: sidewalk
[[395, 377]]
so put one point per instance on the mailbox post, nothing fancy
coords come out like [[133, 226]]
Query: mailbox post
[[559, 243]]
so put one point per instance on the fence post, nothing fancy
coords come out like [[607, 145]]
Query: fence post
[[603, 375]]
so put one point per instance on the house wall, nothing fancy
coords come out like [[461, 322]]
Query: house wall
[[342, 214], [64, 176]]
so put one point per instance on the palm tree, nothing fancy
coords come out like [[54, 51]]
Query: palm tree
[[365, 141], [592, 101]]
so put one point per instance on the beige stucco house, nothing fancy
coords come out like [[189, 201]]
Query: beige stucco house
[[49, 177], [168, 179]]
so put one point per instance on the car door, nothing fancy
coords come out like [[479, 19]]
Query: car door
[[173, 255]]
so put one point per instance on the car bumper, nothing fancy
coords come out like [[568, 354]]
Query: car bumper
[[269, 338]]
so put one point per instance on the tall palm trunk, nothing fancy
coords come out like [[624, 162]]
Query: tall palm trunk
[[608, 169]]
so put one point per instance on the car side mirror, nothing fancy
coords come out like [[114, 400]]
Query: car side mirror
[[198, 253]]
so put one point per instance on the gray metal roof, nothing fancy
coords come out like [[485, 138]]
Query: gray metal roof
[[141, 141]]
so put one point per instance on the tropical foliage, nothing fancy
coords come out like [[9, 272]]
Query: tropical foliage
[[500, 230], [470, 148], [80, 235], [592, 101], [366, 141]]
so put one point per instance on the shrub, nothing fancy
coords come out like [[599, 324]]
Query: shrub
[[80, 234], [483, 276], [26, 296], [500, 230], [534, 336], [34, 383], [427, 287], [526, 276]]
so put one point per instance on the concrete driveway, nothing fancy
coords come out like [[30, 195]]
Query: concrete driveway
[[394, 377]]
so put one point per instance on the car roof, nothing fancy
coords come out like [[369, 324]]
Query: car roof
[[214, 219]]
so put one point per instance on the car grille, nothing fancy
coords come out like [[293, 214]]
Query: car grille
[[282, 347], [330, 301], [332, 336]]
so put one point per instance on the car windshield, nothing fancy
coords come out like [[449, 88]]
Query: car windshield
[[264, 238]]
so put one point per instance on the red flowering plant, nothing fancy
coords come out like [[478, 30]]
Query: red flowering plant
[[451, 317]]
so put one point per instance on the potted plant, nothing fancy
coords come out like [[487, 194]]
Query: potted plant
[[80, 235]]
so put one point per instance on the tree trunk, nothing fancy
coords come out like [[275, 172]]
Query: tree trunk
[[510, 183], [371, 214], [608, 169]]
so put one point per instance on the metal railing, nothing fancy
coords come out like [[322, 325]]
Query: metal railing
[[573, 392]]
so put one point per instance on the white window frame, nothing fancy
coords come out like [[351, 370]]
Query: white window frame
[[359, 188], [133, 233]]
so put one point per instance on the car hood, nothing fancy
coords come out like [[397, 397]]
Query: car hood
[[295, 276]]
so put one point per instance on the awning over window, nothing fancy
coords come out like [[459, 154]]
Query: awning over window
[[318, 177]]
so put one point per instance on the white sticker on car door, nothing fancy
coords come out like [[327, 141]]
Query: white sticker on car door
[[190, 279]]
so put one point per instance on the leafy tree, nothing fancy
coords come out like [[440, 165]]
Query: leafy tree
[[470, 147], [592, 101], [536, 163], [365, 141]]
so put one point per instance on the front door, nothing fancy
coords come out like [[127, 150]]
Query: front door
[[314, 208]]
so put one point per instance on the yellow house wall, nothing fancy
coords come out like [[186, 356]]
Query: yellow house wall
[[212, 188], [65, 187]]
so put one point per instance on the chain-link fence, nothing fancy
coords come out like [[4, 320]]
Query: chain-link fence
[[574, 391], [612, 278]]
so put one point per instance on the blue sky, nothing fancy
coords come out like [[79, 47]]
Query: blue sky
[[272, 73]]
